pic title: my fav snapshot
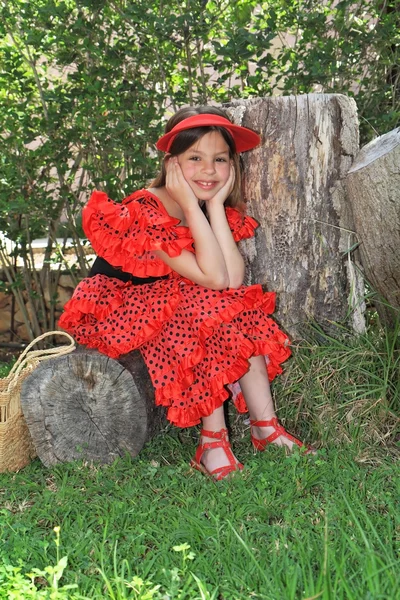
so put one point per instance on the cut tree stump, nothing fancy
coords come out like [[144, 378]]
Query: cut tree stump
[[294, 188], [85, 405], [373, 188]]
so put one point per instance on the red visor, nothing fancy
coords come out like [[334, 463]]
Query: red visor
[[245, 139]]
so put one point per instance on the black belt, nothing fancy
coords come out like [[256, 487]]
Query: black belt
[[102, 267]]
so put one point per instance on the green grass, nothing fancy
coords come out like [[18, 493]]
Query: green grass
[[344, 389], [287, 527]]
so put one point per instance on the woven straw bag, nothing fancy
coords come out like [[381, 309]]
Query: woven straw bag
[[16, 446]]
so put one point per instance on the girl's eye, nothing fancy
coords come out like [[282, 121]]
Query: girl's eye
[[219, 159]]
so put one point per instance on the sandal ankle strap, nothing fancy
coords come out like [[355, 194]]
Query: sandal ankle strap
[[270, 423], [222, 434]]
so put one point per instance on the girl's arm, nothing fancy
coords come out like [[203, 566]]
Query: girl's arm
[[216, 212], [207, 266], [233, 259]]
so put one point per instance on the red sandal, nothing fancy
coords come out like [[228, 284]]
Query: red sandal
[[260, 444], [220, 472]]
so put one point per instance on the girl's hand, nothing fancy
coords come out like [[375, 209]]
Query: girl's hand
[[224, 192], [177, 186]]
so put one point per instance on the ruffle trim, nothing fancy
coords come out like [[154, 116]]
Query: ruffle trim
[[242, 226], [84, 313], [127, 234], [192, 415], [75, 310], [276, 350], [81, 313]]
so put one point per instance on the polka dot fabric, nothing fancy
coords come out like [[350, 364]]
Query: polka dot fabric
[[196, 342]]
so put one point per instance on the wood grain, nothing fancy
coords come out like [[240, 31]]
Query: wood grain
[[86, 405], [373, 188], [294, 188]]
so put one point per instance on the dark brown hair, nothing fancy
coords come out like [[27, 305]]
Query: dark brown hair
[[185, 139]]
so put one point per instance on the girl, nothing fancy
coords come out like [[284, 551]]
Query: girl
[[168, 280]]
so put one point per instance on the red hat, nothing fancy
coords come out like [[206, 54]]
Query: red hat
[[245, 139]]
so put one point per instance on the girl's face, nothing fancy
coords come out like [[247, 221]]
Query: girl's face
[[206, 165]]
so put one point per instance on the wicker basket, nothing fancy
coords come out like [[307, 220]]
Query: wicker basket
[[16, 446]]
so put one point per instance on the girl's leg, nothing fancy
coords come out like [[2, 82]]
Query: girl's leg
[[214, 457], [257, 392]]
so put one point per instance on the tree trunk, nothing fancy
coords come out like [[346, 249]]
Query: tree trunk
[[85, 405], [373, 188], [293, 185]]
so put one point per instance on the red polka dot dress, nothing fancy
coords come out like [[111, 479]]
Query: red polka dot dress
[[196, 342]]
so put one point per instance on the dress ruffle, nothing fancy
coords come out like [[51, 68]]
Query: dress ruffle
[[242, 226], [126, 235], [196, 342], [116, 317]]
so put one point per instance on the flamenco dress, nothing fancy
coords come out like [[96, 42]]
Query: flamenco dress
[[195, 341]]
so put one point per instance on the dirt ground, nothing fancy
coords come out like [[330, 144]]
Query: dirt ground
[[9, 354]]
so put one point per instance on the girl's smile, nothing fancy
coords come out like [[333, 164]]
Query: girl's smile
[[206, 165]]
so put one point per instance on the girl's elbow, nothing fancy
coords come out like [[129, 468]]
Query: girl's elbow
[[236, 274], [229, 282], [236, 280], [235, 286], [220, 283], [236, 283]]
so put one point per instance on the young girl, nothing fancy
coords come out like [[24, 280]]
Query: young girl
[[168, 280]]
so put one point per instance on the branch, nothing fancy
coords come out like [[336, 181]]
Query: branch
[[11, 278], [39, 288]]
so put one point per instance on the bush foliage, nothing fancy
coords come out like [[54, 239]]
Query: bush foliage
[[85, 86]]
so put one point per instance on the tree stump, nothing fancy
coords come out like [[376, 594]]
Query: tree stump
[[85, 405], [373, 188], [294, 188]]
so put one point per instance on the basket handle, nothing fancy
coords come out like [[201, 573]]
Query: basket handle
[[28, 354]]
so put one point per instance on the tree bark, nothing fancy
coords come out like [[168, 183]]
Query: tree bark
[[373, 188], [294, 188], [85, 405]]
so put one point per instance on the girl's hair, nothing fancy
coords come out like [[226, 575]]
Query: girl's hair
[[185, 139]]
